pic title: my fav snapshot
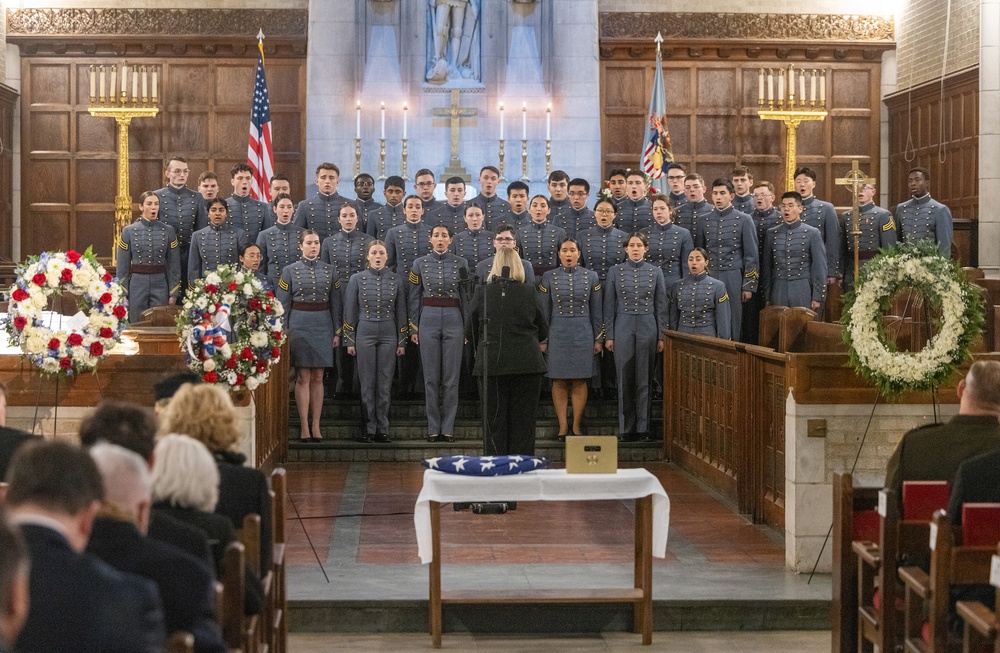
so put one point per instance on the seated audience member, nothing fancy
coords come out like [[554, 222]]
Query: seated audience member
[[164, 391], [934, 452], [205, 412], [186, 585], [82, 604], [10, 439], [14, 567], [977, 481], [186, 486], [134, 428]]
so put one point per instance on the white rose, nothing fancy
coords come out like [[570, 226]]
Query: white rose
[[248, 289], [229, 299], [258, 339], [226, 350], [36, 345], [278, 308], [211, 308], [39, 300], [252, 383], [213, 278], [240, 277], [209, 365], [50, 365]]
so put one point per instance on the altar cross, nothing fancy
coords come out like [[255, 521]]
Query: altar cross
[[855, 181], [455, 113]]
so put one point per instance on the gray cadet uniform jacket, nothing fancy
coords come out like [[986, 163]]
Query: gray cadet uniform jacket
[[765, 220], [878, 230], [279, 246], [386, 218], [691, 214], [700, 305], [822, 215], [580, 220], [211, 247], [446, 214], [539, 244], [572, 305], [731, 240], [405, 244], [149, 265], [677, 200], [320, 212], [369, 212], [474, 246], [669, 246], [793, 265], [309, 291], [601, 248], [559, 214], [184, 210], [744, 203], [634, 216], [248, 215], [495, 209], [923, 217], [346, 252]]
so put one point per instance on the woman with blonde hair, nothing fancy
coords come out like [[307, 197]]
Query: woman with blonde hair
[[206, 413]]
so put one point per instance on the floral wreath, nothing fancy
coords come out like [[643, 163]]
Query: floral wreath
[[81, 346], [231, 328], [605, 192], [943, 285]]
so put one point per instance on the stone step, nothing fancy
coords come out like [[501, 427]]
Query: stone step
[[416, 429]]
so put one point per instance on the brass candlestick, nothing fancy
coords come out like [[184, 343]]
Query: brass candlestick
[[524, 160], [791, 119], [403, 171], [548, 157], [501, 165], [381, 159], [357, 157], [783, 106]]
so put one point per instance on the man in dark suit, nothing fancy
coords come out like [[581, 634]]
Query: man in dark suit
[[934, 452], [10, 439], [186, 585], [81, 604], [977, 481], [14, 565]]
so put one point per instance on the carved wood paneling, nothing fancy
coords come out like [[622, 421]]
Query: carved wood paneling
[[69, 157], [8, 101], [820, 28]]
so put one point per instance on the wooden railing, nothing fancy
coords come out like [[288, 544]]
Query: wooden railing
[[272, 415]]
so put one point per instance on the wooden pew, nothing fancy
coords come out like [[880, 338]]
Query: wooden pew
[[793, 327], [855, 518], [233, 579], [981, 633], [255, 627], [879, 620], [770, 326], [279, 610], [957, 558]]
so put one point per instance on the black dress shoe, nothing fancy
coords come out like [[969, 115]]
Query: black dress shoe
[[628, 437], [647, 437], [383, 438], [561, 437], [433, 438], [366, 438]]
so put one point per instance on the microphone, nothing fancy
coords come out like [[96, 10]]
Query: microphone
[[505, 272], [463, 276]]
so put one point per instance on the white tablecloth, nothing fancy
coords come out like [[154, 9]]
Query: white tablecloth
[[541, 485]]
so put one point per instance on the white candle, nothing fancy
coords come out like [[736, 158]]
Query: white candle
[[383, 121], [781, 87], [822, 88], [404, 120], [135, 82], [791, 85], [102, 80], [156, 70], [501, 121], [548, 122], [760, 85], [812, 87], [124, 76], [114, 83], [770, 85], [93, 82], [144, 88], [524, 121], [802, 87], [357, 133]]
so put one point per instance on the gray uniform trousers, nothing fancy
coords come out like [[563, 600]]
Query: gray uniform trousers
[[442, 334], [376, 349], [734, 286], [146, 291], [635, 350]]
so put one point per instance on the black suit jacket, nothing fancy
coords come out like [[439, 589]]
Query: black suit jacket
[[977, 481], [514, 329], [10, 440], [186, 585], [81, 604], [244, 491], [190, 539]]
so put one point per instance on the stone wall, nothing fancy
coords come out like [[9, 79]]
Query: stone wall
[[920, 37]]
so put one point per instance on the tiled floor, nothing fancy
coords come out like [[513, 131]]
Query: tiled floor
[[704, 642], [359, 520]]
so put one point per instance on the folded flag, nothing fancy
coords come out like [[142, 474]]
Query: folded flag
[[486, 465]]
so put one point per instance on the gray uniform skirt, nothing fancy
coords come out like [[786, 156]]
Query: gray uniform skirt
[[571, 348], [310, 335]]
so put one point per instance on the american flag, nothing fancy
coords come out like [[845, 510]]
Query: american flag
[[260, 155], [485, 465]]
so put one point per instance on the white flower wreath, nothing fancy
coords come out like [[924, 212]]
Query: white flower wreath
[[942, 285]]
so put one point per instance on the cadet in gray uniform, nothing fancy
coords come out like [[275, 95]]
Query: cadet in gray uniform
[[310, 294], [495, 209], [404, 245], [922, 217], [425, 186], [635, 315], [215, 245], [368, 209], [181, 208], [559, 205], [279, 186], [572, 306], [250, 258], [505, 238], [764, 216], [450, 213], [437, 325], [699, 304], [675, 180], [731, 241], [742, 187], [320, 211], [517, 194], [793, 263], [538, 242], [822, 215], [245, 213], [696, 210], [474, 244], [669, 245], [878, 230], [149, 263], [390, 214], [279, 245], [635, 211], [616, 185], [579, 217], [375, 330], [345, 251]]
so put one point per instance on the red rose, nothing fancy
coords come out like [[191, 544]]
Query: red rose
[[38, 279], [96, 348], [254, 304], [246, 354], [267, 308], [20, 322], [231, 363], [74, 340], [276, 352], [211, 288], [54, 343], [106, 332], [210, 377], [276, 335], [72, 256], [261, 366], [119, 312], [19, 295], [107, 277], [232, 286], [66, 276], [270, 294], [239, 379], [105, 298], [65, 363]]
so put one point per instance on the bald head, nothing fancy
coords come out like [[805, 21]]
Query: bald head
[[981, 391], [127, 482]]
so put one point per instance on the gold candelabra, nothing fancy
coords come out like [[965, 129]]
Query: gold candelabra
[[548, 157], [501, 165], [381, 159], [789, 109], [524, 160], [403, 170], [114, 101], [357, 157]]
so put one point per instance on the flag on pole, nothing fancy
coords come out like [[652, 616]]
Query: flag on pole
[[260, 155], [656, 152]]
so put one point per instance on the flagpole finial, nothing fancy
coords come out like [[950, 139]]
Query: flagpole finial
[[659, 40], [260, 36]]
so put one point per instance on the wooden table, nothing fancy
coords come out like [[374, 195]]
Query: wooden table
[[549, 485]]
